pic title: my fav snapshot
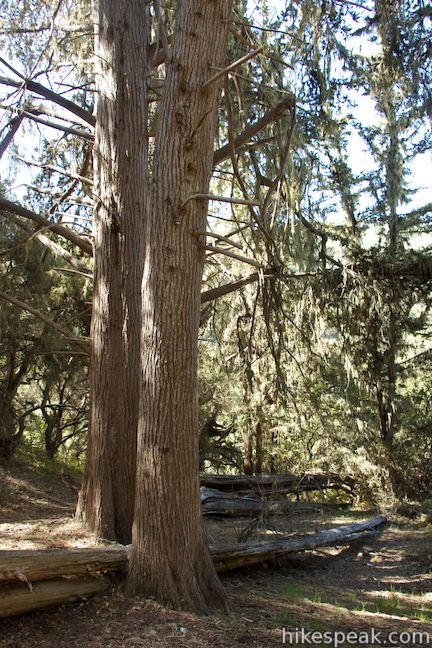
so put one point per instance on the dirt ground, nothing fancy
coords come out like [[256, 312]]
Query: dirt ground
[[372, 589]]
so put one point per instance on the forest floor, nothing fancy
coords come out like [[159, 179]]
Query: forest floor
[[372, 590]]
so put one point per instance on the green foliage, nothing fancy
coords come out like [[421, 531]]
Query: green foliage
[[30, 454], [323, 361], [43, 383]]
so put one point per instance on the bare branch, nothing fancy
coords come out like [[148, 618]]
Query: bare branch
[[10, 207], [233, 66], [14, 125], [355, 4], [233, 255], [227, 199], [214, 293], [61, 198], [53, 247], [55, 169], [82, 343], [250, 131], [41, 90], [220, 291], [33, 115], [225, 239], [87, 275], [40, 109], [37, 30]]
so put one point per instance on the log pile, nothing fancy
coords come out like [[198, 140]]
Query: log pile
[[279, 484], [214, 502], [255, 495], [30, 580]]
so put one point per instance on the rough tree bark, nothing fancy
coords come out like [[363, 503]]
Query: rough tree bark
[[170, 559], [120, 167]]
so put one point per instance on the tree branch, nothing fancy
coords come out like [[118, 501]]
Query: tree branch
[[227, 199], [10, 207], [233, 255], [233, 66], [41, 90], [14, 125], [218, 237], [34, 116], [53, 247], [220, 291], [55, 169], [83, 344], [250, 131], [81, 273]]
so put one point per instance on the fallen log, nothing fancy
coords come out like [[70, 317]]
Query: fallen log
[[37, 565], [278, 483], [239, 555], [38, 571], [18, 599], [246, 508], [214, 502]]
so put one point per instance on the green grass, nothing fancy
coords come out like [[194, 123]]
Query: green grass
[[291, 590], [318, 597], [231, 617], [396, 606]]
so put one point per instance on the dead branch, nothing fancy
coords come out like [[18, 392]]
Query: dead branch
[[52, 246], [82, 343], [8, 206], [253, 129], [233, 66], [33, 86], [14, 125], [269, 483], [34, 116], [233, 255], [226, 289], [55, 169], [227, 199], [18, 599], [234, 556]]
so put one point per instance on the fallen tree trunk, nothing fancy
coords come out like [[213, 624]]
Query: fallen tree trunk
[[17, 599], [278, 483], [246, 508], [38, 571], [37, 565], [239, 555], [215, 502]]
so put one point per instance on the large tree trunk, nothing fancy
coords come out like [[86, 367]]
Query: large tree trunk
[[120, 168], [170, 559]]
